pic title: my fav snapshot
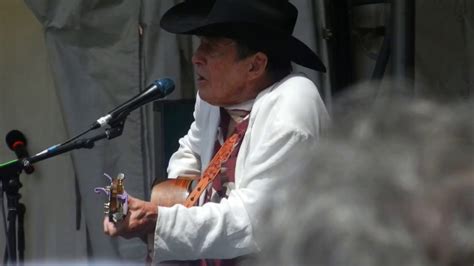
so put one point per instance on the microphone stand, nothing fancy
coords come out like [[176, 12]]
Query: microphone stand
[[10, 184]]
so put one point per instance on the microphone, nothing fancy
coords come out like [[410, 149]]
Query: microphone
[[16, 141], [157, 90]]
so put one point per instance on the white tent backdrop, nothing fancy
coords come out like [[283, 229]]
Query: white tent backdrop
[[69, 62], [29, 102]]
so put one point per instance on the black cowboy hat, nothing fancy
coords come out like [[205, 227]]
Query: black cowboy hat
[[274, 19]]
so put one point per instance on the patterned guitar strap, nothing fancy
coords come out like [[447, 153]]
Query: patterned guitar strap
[[214, 168]]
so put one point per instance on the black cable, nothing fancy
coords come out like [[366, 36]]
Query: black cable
[[382, 60], [367, 2], [385, 51]]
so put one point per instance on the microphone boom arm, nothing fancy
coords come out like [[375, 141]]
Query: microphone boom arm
[[86, 143], [7, 169]]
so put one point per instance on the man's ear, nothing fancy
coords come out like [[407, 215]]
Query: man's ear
[[258, 65]]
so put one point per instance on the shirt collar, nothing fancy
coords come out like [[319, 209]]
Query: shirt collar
[[245, 106]]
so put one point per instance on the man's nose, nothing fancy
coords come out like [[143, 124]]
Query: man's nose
[[198, 58]]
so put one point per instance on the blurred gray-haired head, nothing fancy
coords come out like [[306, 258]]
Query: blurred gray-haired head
[[392, 184]]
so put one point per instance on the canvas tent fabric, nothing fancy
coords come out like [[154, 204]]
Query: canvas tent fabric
[[63, 64]]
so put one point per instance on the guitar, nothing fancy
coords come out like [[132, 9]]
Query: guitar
[[180, 190], [116, 207], [166, 193], [171, 191]]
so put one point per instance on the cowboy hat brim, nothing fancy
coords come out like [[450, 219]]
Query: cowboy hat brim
[[193, 18]]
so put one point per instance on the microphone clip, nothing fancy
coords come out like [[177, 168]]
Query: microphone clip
[[115, 129]]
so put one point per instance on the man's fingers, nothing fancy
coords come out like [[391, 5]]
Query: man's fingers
[[135, 222], [110, 228], [131, 200], [106, 231]]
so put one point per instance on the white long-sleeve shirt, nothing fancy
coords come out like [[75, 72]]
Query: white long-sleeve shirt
[[285, 123]]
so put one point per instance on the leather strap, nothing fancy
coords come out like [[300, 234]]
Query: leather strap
[[213, 169]]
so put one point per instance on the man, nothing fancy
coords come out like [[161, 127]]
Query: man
[[243, 66]]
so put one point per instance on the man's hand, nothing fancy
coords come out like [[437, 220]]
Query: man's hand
[[139, 222]]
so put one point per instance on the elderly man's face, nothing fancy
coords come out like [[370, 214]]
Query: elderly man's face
[[221, 75]]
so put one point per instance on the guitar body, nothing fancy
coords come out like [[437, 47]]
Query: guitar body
[[171, 191], [168, 193]]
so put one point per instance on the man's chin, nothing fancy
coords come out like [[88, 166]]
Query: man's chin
[[210, 100], [202, 83]]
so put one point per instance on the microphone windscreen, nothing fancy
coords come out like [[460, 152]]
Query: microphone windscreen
[[14, 138], [165, 85]]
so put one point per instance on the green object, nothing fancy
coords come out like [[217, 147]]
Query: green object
[[8, 163]]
